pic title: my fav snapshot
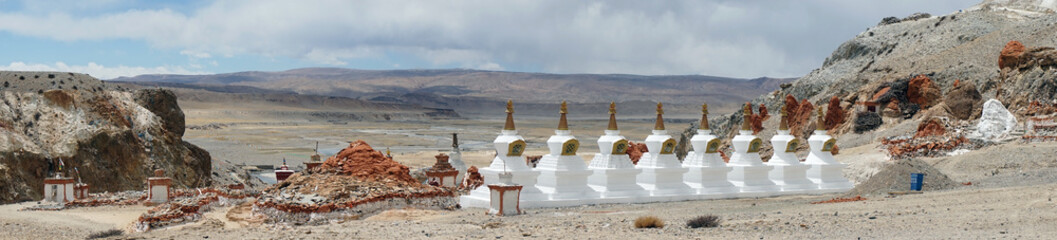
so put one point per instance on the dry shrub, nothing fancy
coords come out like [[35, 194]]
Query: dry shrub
[[105, 234], [649, 222], [707, 221]]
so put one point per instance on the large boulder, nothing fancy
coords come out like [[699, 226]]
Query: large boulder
[[996, 122], [1010, 56], [964, 101]]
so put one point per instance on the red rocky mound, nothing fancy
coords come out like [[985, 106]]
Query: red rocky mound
[[473, 179], [834, 113], [763, 113], [635, 151], [363, 162], [1010, 56], [932, 127]]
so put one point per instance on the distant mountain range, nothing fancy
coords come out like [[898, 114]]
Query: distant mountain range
[[483, 92]]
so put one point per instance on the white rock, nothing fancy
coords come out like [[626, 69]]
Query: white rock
[[995, 122]]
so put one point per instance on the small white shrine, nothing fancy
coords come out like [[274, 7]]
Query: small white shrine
[[59, 189], [614, 174], [509, 148], [708, 173], [504, 196], [824, 170], [789, 174], [749, 173], [563, 174], [158, 187], [662, 173], [455, 159]]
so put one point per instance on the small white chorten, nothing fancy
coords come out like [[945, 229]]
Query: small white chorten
[[614, 174], [455, 159], [59, 189], [825, 170], [662, 173], [750, 174], [504, 196], [158, 187], [708, 172], [509, 146], [563, 174], [789, 174]]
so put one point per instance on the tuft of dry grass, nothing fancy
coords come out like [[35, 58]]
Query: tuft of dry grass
[[707, 221], [649, 222]]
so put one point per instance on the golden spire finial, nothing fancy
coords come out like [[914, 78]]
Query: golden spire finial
[[563, 124], [612, 116], [784, 124], [820, 122], [704, 117], [509, 116], [660, 120], [746, 112]]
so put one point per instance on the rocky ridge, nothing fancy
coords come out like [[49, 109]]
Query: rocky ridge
[[114, 138]]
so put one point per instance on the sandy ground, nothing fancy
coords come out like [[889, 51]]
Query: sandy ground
[[1024, 212]]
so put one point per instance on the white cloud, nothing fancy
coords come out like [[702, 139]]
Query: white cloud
[[98, 71], [727, 38], [195, 54]]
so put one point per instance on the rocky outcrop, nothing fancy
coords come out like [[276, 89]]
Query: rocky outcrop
[[930, 127], [114, 142], [995, 122], [162, 103]]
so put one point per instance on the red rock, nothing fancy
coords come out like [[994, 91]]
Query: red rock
[[723, 155], [363, 162], [763, 113], [922, 91], [836, 149], [473, 178], [790, 104], [834, 113], [932, 127], [1010, 56], [880, 93], [635, 151], [956, 82], [800, 119]]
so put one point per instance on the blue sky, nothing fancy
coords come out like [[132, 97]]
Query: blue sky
[[112, 38]]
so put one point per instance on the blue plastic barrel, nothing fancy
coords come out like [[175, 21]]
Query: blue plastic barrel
[[916, 179]]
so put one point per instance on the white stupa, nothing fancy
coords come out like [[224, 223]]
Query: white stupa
[[708, 172], [662, 173], [563, 174], [750, 174], [455, 159], [824, 169], [789, 174], [614, 174], [509, 147]]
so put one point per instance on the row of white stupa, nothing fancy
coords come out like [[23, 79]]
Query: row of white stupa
[[561, 178]]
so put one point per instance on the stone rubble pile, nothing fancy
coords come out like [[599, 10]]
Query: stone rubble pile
[[187, 206], [355, 183]]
